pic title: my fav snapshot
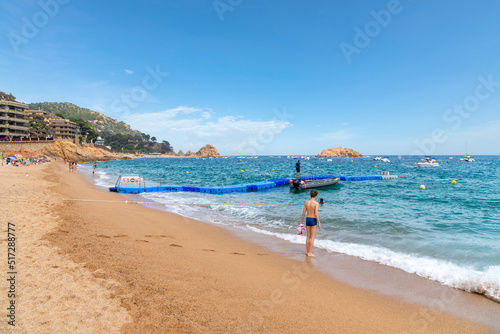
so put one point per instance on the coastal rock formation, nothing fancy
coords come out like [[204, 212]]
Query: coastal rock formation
[[208, 151], [180, 153], [339, 152], [79, 154]]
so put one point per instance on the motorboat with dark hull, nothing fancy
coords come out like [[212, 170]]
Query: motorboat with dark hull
[[308, 184]]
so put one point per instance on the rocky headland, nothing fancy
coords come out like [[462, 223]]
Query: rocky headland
[[339, 152], [80, 154], [207, 151]]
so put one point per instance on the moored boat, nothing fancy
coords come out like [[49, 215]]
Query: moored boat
[[308, 184], [427, 162]]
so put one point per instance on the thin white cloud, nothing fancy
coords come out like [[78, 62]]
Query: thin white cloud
[[199, 126], [129, 71], [97, 107], [337, 135]]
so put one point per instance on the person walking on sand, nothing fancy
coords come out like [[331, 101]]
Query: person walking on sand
[[312, 221], [297, 168], [95, 166]]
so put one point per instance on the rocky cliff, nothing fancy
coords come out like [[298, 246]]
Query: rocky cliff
[[339, 152], [206, 151], [79, 154]]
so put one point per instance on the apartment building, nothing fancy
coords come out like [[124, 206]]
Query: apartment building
[[14, 123]]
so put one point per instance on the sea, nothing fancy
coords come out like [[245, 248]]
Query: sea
[[446, 233]]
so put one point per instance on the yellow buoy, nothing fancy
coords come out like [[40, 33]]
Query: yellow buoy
[[273, 170], [422, 187], [240, 159], [338, 165], [375, 166], [351, 161], [317, 167], [242, 171], [454, 182], [187, 172]]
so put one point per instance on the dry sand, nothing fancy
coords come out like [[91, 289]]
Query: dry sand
[[97, 267]]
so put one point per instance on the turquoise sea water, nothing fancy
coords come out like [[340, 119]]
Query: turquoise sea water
[[446, 233]]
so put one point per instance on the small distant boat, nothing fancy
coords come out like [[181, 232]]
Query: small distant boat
[[307, 158], [385, 160], [377, 158], [329, 160], [399, 157], [299, 184], [468, 158], [427, 162]]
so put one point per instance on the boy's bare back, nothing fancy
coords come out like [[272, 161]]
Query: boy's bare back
[[311, 207]]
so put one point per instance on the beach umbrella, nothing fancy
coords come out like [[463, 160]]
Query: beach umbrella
[[12, 157]]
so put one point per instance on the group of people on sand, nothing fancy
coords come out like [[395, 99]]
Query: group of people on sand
[[73, 166], [310, 212], [26, 162]]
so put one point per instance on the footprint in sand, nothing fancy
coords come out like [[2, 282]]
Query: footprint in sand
[[262, 254], [142, 240], [103, 236], [175, 245], [159, 236], [235, 253], [208, 250], [120, 236]]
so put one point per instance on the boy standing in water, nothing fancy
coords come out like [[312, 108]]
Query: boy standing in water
[[312, 221]]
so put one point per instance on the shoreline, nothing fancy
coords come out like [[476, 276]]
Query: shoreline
[[363, 274], [171, 273]]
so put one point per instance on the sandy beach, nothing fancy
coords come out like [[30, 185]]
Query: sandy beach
[[104, 266]]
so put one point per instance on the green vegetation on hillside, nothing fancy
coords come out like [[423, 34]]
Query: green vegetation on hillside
[[104, 125], [8, 97], [142, 144], [116, 134]]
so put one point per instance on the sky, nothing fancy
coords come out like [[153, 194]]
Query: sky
[[268, 77]]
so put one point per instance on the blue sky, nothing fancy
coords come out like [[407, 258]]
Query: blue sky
[[268, 77]]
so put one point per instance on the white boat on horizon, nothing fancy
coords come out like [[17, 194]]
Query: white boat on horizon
[[377, 158], [468, 158], [427, 162], [385, 159]]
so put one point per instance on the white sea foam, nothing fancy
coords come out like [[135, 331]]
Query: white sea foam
[[483, 282]]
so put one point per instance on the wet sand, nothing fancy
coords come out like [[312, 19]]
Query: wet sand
[[106, 267]]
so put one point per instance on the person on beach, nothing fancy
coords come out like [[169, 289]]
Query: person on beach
[[312, 221], [297, 168], [95, 166]]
